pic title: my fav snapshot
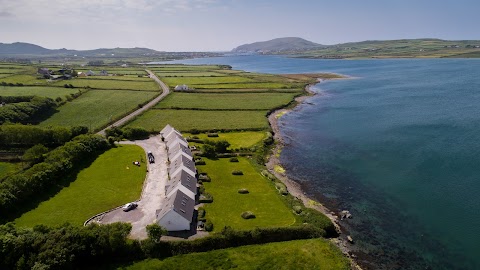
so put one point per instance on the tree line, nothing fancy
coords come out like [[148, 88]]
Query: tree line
[[58, 164], [21, 136], [25, 110]]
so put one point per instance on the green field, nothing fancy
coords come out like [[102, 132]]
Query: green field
[[51, 92], [185, 120], [253, 85], [6, 168], [228, 204], [25, 79], [118, 78], [172, 81], [237, 101], [189, 74], [236, 139], [96, 108], [111, 84], [298, 254], [109, 182]]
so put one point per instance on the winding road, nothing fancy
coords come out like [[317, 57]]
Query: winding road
[[166, 91]]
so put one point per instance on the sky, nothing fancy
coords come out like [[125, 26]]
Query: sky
[[221, 25]]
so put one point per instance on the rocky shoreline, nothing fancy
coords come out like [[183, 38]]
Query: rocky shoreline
[[343, 241]]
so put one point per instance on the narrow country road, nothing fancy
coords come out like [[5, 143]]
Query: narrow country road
[[166, 91]]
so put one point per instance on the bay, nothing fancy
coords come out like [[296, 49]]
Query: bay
[[398, 145]]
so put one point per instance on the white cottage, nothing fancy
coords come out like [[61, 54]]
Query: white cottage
[[184, 182], [180, 164], [182, 87], [177, 213]]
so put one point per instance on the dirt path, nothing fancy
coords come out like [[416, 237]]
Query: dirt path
[[166, 91]]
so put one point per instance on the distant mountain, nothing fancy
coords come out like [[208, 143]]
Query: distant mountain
[[402, 48], [27, 49], [278, 45]]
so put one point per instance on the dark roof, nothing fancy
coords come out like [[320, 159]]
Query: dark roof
[[172, 151], [180, 203], [173, 136], [182, 160], [184, 205], [184, 179]]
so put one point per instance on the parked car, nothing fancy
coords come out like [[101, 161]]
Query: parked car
[[151, 158], [129, 206]]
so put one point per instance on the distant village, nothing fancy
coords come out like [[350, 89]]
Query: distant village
[[69, 73]]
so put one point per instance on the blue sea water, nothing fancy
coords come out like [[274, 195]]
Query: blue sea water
[[398, 145]]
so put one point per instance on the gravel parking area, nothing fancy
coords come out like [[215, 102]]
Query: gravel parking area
[[153, 192]]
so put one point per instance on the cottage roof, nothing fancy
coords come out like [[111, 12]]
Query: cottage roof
[[180, 203], [182, 161], [185, 179], [178, 148], [166, 130]]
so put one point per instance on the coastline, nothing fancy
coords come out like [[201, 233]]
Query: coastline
[[293, 187]]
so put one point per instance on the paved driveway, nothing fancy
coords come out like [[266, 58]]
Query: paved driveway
[[153, 193]]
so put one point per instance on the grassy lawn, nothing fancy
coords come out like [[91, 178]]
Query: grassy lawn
[[189, 74], [51, 92], [7, 168], [185, 120], [112, 84], [228, 204], [97, 108], [298, 254], [237, 101], [252, 85], [109, 182], [172, 81], [236, 139]]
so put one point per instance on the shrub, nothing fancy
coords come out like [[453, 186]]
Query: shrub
[[204, 178], [298, 209], [195, 131], [200, 162], [233, 159], [208, 226], [237, 172], [135, 133], [269, 175], [281, 188], [201, 212], [205, 198], [243, 191], [212, 135], [248, 215]]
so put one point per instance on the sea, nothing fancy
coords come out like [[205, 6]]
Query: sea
[[398, 145]]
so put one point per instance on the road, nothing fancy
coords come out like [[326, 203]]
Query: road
[[166, 91]]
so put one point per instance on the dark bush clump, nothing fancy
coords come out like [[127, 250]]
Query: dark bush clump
[[208, 226], [237, 172], [248, 215], [200, 162], [233, 159], [243, 191], [212, 135]]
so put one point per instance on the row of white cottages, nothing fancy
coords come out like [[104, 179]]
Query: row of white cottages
[[177, 211]]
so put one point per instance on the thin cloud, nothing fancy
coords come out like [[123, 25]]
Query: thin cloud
[[6, 14]]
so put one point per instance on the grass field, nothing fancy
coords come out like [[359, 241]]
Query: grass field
[[252, 85], [236, 139], [237, 101], [6, 168], [172, 81], [25, 79], [51, 92], [112, 84], [298, 254], [97, 108], [189, 74], [228, 204], [109, 182], [119, 78], [123, 71], [185, 120]]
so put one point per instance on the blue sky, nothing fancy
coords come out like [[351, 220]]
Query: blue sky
[[217, 25]]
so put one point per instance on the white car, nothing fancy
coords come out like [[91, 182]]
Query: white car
[[129, 206]]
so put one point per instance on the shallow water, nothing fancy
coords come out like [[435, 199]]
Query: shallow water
[[398, 146]]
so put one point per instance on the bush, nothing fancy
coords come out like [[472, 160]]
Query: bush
[[208, 226], [155, 231], [269, 175], [248, 215], [201, 212], [237, 172], [204, 178], [298, 209], [212, 135], [281, 188], [205, 198], [233, 159], [200, 162], [243, 191], [135, 133], [195, 131]]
